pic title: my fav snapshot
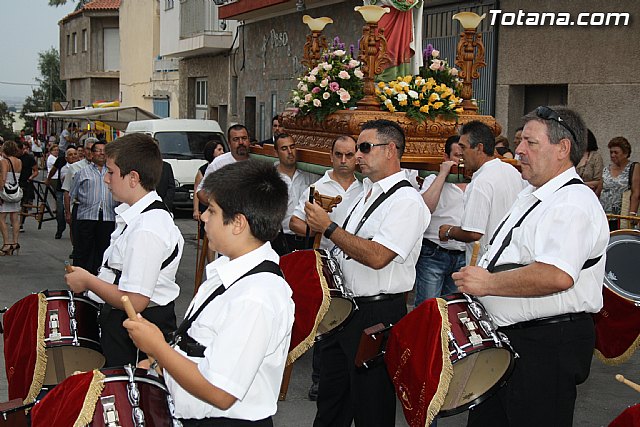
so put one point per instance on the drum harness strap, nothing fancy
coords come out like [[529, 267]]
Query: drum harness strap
[[188, 344], [507, 240], [157, 204]]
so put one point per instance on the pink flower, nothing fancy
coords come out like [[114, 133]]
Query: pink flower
[[454, 71], [317, 103], [344, 75], [334, 86], [315, 90], [435, 65], [344, 96]]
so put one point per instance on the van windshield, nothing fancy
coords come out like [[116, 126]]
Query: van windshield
[[185, 145]]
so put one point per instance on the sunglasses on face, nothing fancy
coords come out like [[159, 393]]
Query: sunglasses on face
[[366, 147], [547, 113]]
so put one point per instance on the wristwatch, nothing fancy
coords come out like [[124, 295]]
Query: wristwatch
[[330, 229], [448, 232]]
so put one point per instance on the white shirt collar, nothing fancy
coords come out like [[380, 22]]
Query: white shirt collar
[[555, 183], [231, 270], [128, 213]]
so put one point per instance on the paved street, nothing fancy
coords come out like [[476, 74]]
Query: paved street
[[40, 266]]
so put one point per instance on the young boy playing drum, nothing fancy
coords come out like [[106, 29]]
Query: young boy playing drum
[[232, 347], [145, 250]]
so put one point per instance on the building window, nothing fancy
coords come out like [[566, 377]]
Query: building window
[[161, 107], [74, 41], [68, 44], [85, 41], [168, 4], [201, 99]]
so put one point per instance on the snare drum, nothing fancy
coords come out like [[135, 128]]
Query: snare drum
[[621, 275], [132, 397], [482, 357], [71, 335], [14, 413], [342, 304]]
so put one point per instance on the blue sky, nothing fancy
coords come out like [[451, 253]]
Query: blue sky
[[28, 27]]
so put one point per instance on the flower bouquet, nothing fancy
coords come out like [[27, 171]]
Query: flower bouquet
[[439, 70], [334, 84]]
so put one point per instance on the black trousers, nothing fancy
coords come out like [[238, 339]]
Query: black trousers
[[92, 240], [226, 422], [554, 359], [347, 394], [117, 347]]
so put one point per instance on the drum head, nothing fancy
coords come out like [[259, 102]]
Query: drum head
[[475, 378], [621, 274], [63, 361], [339, 312]]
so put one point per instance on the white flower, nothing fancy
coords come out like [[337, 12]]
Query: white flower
[[435, 53], [353, 63], [344, 95], [300, 83], [326, 95], [304, 88], [339, 52], [324, 83], [454, 71], [435, 65], [388, 102], [403, 84], [311, 78], [307, 98], [402, 97], [344, 75], [413, 94], [359, 74], [314, 71], [301, 104], [326, 66], [296, 99], [317, 103]]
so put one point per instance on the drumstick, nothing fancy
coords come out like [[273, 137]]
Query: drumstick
[[474, 253], [631, 384], [128, 308], [67, 267]]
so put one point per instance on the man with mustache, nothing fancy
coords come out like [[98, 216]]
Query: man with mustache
[[238, 137]]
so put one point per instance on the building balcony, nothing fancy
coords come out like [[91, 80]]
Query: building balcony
[[201, 30]]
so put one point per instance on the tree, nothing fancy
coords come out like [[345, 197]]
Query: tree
[[50, 87], [6, 121], [57, 3]]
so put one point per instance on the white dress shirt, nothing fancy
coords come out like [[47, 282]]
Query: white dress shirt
[[491, 192], [246, 332], [328, 187], [139, 251], [217, 163], [301, 180], [566, 229], [397, 224], [448, 211]]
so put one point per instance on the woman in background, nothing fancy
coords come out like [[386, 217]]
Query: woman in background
[[10, 168], [591, 165]]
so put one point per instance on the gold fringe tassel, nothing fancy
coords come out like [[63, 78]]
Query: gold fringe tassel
[[90, 399], [307, 343], [40, 368], [613, 361], [447, 368]]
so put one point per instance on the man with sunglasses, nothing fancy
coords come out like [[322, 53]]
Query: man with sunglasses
[[491, 192], [377, 247], [542, 277]]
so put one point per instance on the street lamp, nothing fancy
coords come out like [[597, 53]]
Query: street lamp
[[372, 53], [315, 42], [469, 56]]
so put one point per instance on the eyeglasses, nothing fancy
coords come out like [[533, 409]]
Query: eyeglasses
[[366, 147], [547, 113]]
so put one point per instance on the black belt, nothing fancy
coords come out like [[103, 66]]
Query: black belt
[[543, 321], [429, 243], [294, 236], [379, 297]]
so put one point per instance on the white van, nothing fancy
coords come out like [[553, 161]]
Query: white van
[[181, 143]]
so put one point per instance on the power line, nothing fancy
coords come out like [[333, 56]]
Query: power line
[[18, 84]]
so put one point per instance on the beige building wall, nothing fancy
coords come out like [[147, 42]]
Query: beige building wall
[[597, 63]]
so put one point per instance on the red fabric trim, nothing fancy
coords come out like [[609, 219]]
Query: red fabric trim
[[62, 405], [20, 343], [414, 360], [398, 30], [629, 417], [617, 325], [300, 272]]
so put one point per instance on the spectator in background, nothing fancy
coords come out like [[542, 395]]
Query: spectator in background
[[502, 147], [10, 168], [517, 137], [54, 150], [591, 165], [276, 129], [166, 187], [27, 175]]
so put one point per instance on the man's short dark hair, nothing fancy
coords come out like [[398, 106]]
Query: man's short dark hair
[[137, 152], [342, 138], [236, 127], [479, 133], [280, 136], [453, 139], [556, 132], [254, 189], [388, 132], [99, 142], [276, 117]]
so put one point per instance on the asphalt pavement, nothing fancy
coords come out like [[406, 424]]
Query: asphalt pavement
[[40, 265]]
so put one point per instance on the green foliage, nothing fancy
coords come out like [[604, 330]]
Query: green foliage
[[6, 122]]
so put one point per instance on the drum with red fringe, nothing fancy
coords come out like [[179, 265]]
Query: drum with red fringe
[[71, 335], [482, 357], [342, 304], [132, 397]]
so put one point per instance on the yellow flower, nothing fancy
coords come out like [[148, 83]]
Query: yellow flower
[[384, 98], [408, 79], [402, 103], [416, 103], [399, 78], [438, 105], [424, 109], [391, 108], [421, 96], [381, 85], [459, 110], [378, 92], [433, 97], [388, 91]]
